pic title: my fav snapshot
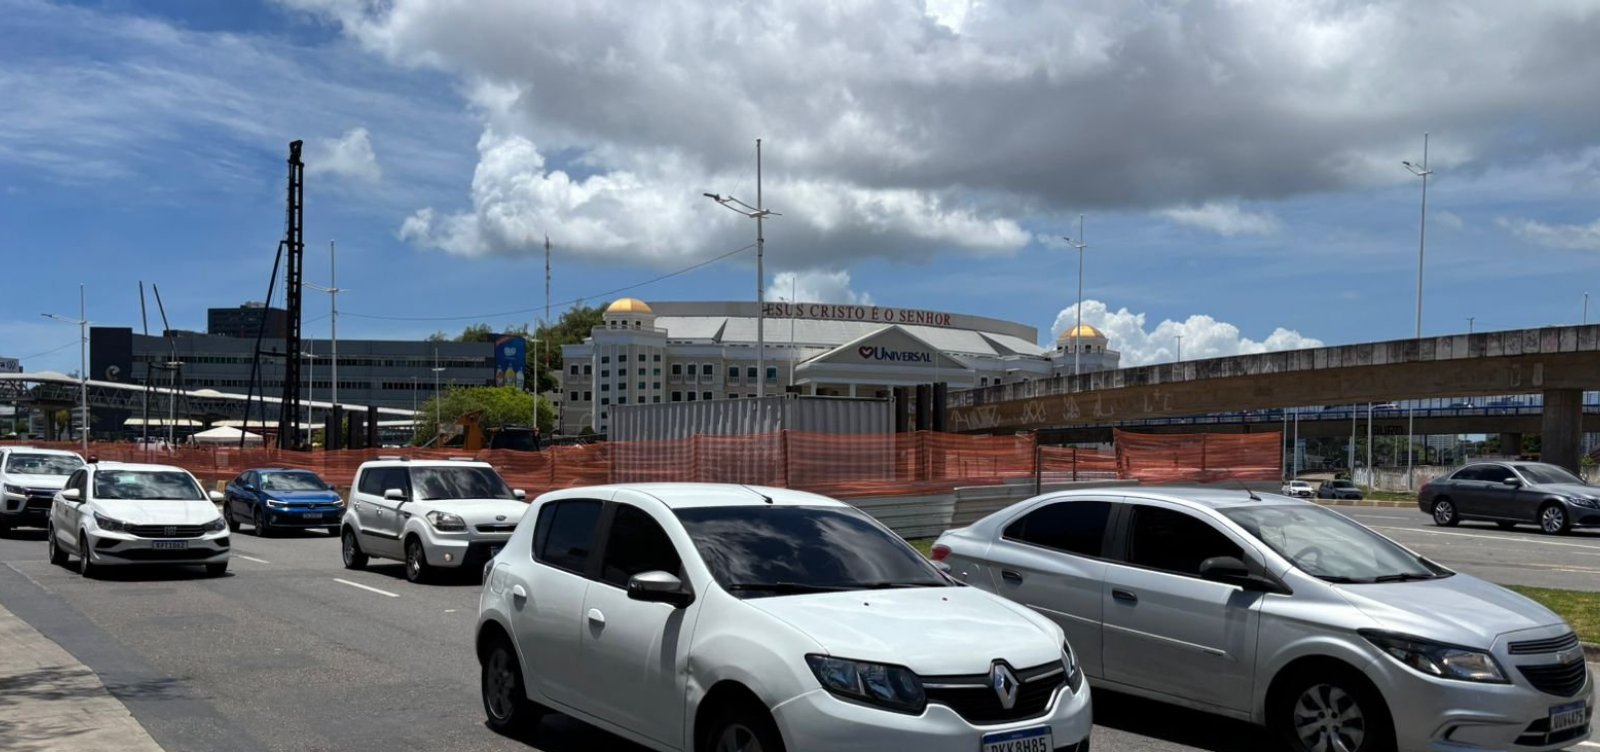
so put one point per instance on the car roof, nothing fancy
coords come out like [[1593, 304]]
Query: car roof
[[135, 466], [697, 495], [41, 450], [1209, 497], [403, 462], [280, 470]]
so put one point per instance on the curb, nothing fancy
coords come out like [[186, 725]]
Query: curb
[[1591, 652]]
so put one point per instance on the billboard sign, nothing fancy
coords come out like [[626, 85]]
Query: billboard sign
[[510, 360]]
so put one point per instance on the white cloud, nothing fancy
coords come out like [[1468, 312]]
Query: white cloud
[[349, 155], [1224, 218], [1573, 237], [1450, 220], [816, 286], [1202, 336]]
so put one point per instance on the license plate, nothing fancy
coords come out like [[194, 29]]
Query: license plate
[[1570, 716], [177, 545], [311, 516], [1022, 740]]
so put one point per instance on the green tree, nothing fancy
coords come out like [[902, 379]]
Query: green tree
[[500, 406], [572, 328]]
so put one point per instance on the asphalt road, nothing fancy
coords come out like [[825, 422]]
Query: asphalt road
[[292, 652], [1520, 556]]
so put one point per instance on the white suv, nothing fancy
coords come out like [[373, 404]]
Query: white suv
[[432, 514], [113, 514], [720, 617], [29, 480]]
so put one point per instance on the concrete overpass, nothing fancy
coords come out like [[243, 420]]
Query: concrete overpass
[[1559, 363]]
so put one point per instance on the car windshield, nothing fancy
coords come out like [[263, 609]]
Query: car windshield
[[443, 483], [42, 464], [292, 482], [1330, 546], [758, 551], [146, 485], [1542, 474]]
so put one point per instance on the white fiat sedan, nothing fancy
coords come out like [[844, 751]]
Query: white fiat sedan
[[113, 514], [723, 617]]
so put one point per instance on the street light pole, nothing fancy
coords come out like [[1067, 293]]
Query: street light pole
[[759, 213], [1470, 320], [1422, 245], [83, 363], [437, 408], [333, 291], [1077, 330], [1180, 349]]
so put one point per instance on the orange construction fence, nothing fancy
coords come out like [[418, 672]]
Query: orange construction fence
[[843, 466]]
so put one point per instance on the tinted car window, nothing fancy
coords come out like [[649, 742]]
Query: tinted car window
[[372, 481], [779, 550], [42, 464], [636, 544], [145, 485], [441, 483], [294, 481], [565, 533], [1494, 473], [1470, 472], [1174, 541], [1077, 527], [1543, 473]]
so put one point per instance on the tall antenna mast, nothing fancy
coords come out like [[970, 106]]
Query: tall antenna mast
[[547, 279], [294, 253]]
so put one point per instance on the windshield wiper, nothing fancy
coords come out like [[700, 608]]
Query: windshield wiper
[[1342, 579], [889, 584], [785, 587], [1405, 577]]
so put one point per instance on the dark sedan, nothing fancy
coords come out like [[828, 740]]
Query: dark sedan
[[1339, 489], [1512, 493], [271, 499]]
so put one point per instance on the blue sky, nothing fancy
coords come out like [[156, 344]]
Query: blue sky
[[1235, 183]]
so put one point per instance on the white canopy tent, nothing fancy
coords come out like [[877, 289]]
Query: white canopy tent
[[227, 435]]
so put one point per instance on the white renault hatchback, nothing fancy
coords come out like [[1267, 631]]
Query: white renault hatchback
[[113, 514], [716, 618], [432, 514]]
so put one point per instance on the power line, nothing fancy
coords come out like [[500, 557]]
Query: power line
[[48, 352], [481, 316]]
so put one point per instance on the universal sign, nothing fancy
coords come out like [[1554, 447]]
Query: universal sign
[[880, 314], [874, 352]]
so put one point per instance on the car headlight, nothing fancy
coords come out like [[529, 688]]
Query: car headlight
[[109, 525], [215, 526], [1437, 659], [1585, 501], [881, 685], [275, 504], [18, 490], [1074, 672], [446, 522]]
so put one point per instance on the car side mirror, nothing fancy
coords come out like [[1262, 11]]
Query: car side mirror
[[520, 494], [217, 496], [71, 494], [1513, 482], [659, 587], [1229, 570], [394, 494], [249, 487]]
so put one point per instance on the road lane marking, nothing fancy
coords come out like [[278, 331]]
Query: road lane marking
[[1507, 538], [252, 558], [364, 587], [1384, 517]]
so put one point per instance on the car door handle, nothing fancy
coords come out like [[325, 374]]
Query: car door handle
[[595, 617], [1011, 577], [519, 592], [1124, 596]]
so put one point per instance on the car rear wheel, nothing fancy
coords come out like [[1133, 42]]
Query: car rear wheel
[[1553, 519], [58, 556], [1331, 711], [1444, 513], [350, 551], [505, 697], [417, 569]]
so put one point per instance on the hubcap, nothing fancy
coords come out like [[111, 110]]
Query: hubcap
[[499, 685], [349, 547], [1327, 719], [1443, 511], [738, 738], [414, 559], [1553, 519]]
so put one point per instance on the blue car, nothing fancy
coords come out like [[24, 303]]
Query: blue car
[[270, 499]]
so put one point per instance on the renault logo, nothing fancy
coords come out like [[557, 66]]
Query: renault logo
[[1005, 685]]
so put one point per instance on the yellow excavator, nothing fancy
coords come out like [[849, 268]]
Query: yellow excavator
[[468, 433]]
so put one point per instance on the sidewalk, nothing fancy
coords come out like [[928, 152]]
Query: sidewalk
[[50, 701]]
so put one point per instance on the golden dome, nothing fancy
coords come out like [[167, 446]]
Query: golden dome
[[628, 305], [1083, 331]]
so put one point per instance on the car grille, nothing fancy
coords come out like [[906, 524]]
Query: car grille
[[506, 528], [40, 503], [150, 554], [974, 699], [166, 531], [1551, 645], [1559, 679]]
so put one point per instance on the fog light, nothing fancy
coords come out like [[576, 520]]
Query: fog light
[[449, 557]]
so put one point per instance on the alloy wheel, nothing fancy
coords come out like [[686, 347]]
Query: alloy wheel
[[738, 738], [1553, 519], [1443, 512], [500, 685], [1328, 719]]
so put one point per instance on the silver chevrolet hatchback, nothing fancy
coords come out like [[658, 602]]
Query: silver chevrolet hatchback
[[1286, 614]]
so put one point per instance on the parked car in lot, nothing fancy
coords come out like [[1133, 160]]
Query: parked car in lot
[[271, 499], [1509, 493], [116, 514], [1286, 614], [29, 480], [1338, 489], [432, 514], [1299, 488], [721, 618]]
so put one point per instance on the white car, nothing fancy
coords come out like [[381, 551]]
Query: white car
[[715, 618], [1299, 489], [431, 514], [113, 514], [29, 480]]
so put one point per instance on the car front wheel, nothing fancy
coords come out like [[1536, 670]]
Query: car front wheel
[[1325, 711], [217, 570], [742, 731], [1553, 519], [505, 697], [58, 555], [227, 515], [1444, 513], [86, 567], [417, 569]]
